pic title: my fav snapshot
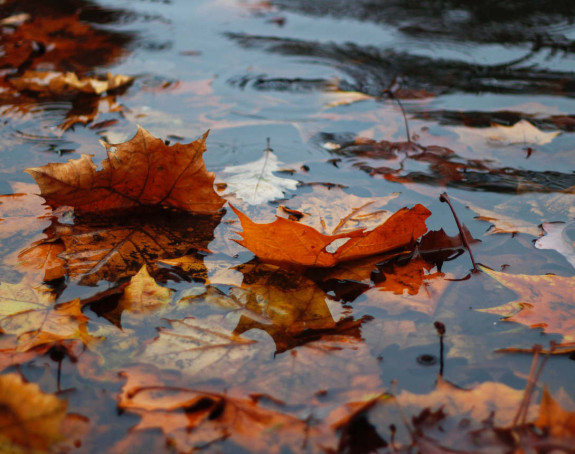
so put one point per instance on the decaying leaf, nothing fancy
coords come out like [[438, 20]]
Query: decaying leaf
[[522, 132], [200, 348], [560, 237], [32, 315], [142, 172], [192, 419], [502, 223], [142, 294], [255, 182], [30, 420], [545, 302], [291, 242], [56, 82], [332, 210]]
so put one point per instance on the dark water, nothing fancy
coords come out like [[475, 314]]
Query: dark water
[[249, 71]]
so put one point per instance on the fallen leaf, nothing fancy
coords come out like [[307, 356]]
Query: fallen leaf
[[143, 294], [522, 132], [255, 181], [437, 247], [142, 172], [200, 348], [46, 324], [40, 262], [502, 223], [56, 82], [332, 210], [544, 302], [192, 419], [559, 236], [291, 242], [30, 421]]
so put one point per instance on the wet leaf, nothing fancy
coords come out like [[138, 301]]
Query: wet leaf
[[142, 294], [522, 132], [55, 82], [200, 348], [32, 315], [142, 172], [191, 419], [502, 223], [308, 247], [559, 236], [332, 210], [544, 302], [255, 182], [31, 421]]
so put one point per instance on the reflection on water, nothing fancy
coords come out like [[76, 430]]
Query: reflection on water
[[372, 106]]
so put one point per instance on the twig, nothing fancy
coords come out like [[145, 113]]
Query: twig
[[440, 328], [445, 198]]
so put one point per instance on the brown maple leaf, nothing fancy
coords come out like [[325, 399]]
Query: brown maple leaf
[[285, 241], [142, 172], [545, 302], [31, 420], [191, 419]]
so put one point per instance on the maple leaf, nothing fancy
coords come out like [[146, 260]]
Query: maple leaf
[[56, 82], [331, 210], [191, 419], [522, 132], [291, 242], [112, 249], [560, 237], [199, 347], [544, 302], [255, 181], [30, 420], [142, 172], [502, 223]]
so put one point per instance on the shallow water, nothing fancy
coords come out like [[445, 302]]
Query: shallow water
[[253, 71]]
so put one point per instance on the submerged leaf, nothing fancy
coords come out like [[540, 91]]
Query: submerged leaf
[[559, 236], [546, 302]]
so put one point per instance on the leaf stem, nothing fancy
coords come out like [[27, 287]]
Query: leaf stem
[[445, 198]]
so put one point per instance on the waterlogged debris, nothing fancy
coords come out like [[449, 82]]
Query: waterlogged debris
[[255, 181], [546, 302], [559, 236]]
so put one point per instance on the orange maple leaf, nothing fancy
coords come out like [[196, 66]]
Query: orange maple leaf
[[545, 302], [285, 241], [142, 172]]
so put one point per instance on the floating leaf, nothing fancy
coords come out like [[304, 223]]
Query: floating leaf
[[291, 242], [142, 172]]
